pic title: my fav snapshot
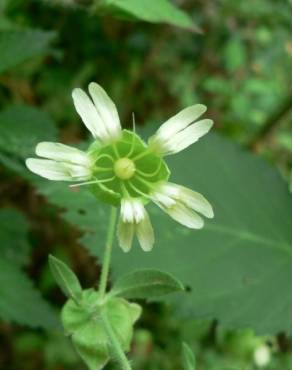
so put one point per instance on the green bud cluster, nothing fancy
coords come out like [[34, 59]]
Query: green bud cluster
[[126, 168], [84, 323]]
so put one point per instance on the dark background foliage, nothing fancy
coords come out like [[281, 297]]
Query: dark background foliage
[[233, 56]]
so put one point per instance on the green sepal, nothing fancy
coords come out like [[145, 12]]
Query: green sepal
[[84, 324], [149, 166], [66, 279], [105, 195]]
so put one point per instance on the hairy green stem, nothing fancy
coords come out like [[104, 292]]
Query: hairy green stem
[[116, 348], [107, 252]]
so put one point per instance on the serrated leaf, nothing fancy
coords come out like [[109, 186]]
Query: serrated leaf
[[17, 46], [155, 11], [21, 128], [66, 279], [146, 283], [14, 236], [237, 262], [20, 302], [189, 361]]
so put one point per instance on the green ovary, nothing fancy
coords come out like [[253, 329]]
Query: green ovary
[[126, 168]]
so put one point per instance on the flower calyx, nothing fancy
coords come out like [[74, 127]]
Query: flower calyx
[[84, 323]]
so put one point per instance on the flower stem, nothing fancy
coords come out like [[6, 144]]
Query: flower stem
[[116, 348], [108, 251]]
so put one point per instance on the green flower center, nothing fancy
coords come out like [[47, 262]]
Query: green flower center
[[126, 168]]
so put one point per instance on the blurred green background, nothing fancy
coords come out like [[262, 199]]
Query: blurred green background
[[233, 56]]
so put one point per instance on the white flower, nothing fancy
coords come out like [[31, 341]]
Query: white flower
[[134, 219], [123, 170], [66, 163], [180, 131], [262, 355], [182, 204]]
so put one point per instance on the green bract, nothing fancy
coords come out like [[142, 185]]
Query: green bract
[[84, 323], [125, 168]]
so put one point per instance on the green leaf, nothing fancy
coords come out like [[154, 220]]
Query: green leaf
[[20, 45], [155, 11], [240, 262], [189, 361], [146, 283], [21, 128], [239, 266], [20, 302], [14, 236], [66, 279]]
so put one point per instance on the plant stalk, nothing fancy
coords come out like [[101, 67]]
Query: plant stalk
[[116, 348], [107, 252]]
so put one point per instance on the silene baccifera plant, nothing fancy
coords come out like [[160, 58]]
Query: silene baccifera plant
[[127, 173]]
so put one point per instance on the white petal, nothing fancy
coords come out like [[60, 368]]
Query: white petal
[[106, 109], [125, 233], [78, 173], [188, 136], [89, 114], [162, 199], [181, 120], [139, 211], [185, 216], [132, 210], [63, 153], [145, 233], [196, 201], [48, 169], [169, 189], [127, 211]]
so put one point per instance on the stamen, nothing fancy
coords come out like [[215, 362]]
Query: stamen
[[141, 155], [105, 156], [139, 178], [116, 150], [149, 174], [132, 147], [124, 189], [103, 169], [134, 123], [138, 191], [92, 182]]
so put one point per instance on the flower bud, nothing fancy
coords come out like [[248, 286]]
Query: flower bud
[[84, 324]]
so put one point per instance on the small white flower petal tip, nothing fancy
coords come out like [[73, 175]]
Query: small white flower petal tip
[[134, 220], [180, 131], [58, 171], [63, 153], [99, 114], [48, 169], [182, 204]]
